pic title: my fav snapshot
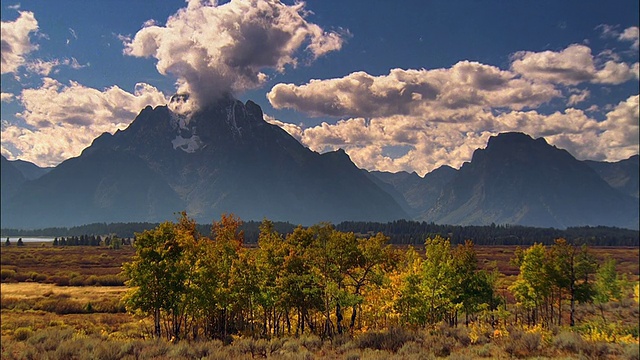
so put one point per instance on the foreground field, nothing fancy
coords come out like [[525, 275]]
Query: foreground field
[[56, 305]]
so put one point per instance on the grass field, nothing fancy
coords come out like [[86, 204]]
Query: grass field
[[65, 303]]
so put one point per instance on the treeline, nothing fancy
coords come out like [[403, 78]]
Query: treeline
[[399, 232], [414, 233], [327, 282], [92, 240], [128, 230]]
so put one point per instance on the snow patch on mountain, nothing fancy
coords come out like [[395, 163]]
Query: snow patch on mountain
[[189, 145]]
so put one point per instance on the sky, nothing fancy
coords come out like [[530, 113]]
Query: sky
[[399, 85]]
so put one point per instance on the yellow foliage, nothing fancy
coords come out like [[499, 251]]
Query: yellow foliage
[[611, 333], [545, 334]]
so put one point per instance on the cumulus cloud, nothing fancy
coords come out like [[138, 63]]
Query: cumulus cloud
[[466, 85], [15, 41], [631, 34], [61, 120], [214, 49], [571, 66], [422, 119]]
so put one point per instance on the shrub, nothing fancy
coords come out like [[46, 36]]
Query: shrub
[[49, 338], [570, 341], [252, 346], [440, 346], [460, 334], [6, 274], [410, 348], [485, 351], [631, 352], [352, 355], [522, 344], [598, 349], [60, 280], [76, 281], [274, 345], [70, 349], [155, 349], [22, 333], [311, 342], [390, 340], [59, 306]]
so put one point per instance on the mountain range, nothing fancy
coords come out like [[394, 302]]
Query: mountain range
[[222, 159], [226, 159]]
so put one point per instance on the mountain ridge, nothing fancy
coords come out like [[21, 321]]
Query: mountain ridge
[[223, 159], [227, 159]]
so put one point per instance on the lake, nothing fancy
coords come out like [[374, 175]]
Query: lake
[[14, 239]]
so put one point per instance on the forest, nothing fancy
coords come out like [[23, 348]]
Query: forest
[[399, 232], [322, 281]]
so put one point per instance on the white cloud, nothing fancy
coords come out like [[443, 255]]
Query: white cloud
[[216, 49], [15, 41], [61, 120], [7, 97], [631, 34], [431, 93], [571, 66], [292, 129], [577, 96], [44, 68], [441, 116]]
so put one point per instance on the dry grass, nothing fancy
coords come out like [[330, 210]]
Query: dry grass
[[46, 259], [82, 294]]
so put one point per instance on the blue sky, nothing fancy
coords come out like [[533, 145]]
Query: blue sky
[[408, 85]]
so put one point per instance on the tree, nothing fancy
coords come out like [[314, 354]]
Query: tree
[[428, 290], [571, 268], [409, 303], [473, 288], [155, 276], [438, 280], [609, 285], [531, 288], [374, 258]]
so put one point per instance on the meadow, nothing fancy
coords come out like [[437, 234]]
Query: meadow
[[66, 303]]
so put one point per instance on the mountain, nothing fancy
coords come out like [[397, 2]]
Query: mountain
[[14, 173], [418, 194], [621, 175], [30, 170], [11, 178], [222, 159], [519, 180]]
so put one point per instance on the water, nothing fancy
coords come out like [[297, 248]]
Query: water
[[14, 239]]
